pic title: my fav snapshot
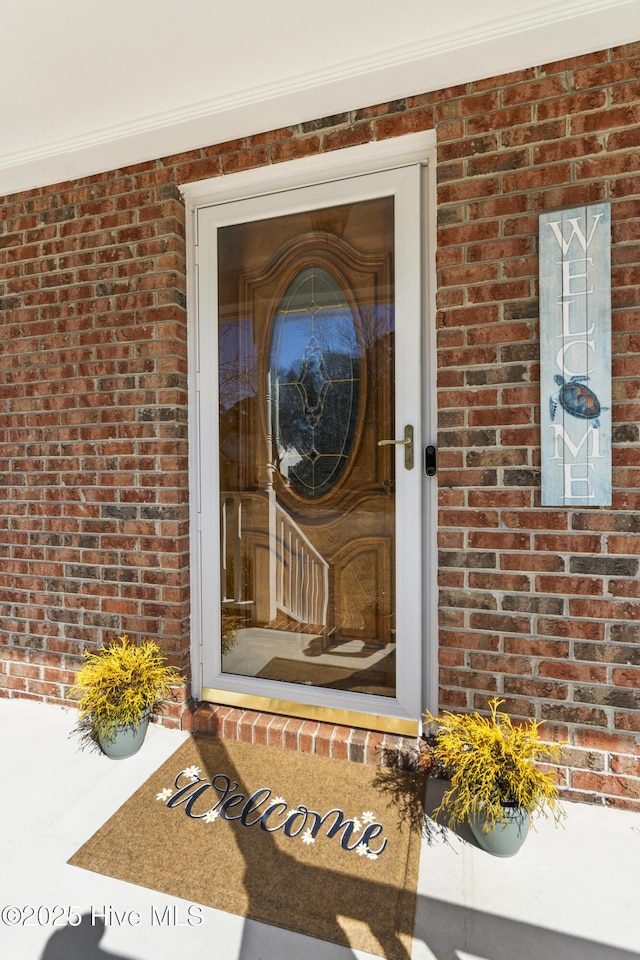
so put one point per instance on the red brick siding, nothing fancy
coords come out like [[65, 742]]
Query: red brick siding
[[93, 413], [538, 605]]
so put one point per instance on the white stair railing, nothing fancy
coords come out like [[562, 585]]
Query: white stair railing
[[298, 576], [302, 574]]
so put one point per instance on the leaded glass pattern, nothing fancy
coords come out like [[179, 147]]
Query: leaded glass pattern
[[315, 377]]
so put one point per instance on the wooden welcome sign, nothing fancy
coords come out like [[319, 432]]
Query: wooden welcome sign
[[575, 356]]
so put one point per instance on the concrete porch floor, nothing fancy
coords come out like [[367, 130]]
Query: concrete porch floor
[[570, 894]]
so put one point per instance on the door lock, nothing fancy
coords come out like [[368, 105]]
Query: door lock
[[407, 443]]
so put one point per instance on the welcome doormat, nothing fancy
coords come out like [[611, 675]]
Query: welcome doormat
[[300, 841]]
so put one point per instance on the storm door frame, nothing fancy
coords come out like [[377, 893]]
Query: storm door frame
[[409, 159]]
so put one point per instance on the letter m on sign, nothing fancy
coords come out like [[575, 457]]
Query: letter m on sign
[[575, 356]]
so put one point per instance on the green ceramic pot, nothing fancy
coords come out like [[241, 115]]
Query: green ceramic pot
[[126, 741], [506, 837]]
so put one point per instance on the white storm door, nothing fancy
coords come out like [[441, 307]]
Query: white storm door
[[309, 470]]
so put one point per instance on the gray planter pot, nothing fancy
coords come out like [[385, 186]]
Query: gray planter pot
[[127, 740], [507, 836]]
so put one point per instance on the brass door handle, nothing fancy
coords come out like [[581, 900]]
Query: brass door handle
[[407, 443]]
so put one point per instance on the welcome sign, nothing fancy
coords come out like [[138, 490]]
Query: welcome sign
[[575, 356]]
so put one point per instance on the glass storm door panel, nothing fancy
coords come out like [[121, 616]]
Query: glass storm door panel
[[306, 308]]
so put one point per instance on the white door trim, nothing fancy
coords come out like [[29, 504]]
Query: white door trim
[[416, 365], [319, 168]]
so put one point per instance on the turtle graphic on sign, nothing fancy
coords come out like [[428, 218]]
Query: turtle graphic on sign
[[576, 399]]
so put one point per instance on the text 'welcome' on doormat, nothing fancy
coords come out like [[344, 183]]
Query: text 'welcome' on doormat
[[308, 843]]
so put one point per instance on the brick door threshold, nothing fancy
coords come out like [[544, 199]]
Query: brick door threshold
[[292, 733]]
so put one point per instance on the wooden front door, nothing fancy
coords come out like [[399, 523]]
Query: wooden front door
[[305, 340]]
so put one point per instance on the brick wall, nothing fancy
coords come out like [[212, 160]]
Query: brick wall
[[539, 605], [93, 455]]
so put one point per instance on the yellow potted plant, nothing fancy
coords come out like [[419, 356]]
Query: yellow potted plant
[[117, 688], [496, 783]]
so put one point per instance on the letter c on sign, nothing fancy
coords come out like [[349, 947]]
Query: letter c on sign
[[581, 360]]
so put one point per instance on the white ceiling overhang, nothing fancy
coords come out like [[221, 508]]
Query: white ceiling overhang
[[91, 85]]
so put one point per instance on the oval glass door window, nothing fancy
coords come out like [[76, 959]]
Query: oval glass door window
[[314, 374]]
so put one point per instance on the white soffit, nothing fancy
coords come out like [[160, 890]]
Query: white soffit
[[91, 85]]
